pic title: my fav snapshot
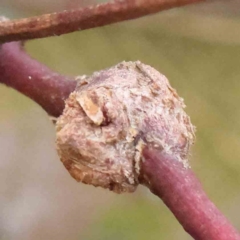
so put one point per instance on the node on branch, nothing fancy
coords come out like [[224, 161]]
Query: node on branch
[[112, 116]]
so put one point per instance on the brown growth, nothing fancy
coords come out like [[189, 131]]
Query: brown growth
[[111, 116]]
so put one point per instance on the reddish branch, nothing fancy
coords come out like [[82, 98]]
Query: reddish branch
[[83, 18], [33, 79], [181, 191]]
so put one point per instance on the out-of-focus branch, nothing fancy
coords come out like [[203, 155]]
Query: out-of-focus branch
[[83, 18], [33, 79], [181, 191]]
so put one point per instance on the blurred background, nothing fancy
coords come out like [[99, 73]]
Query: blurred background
[[198, 49]]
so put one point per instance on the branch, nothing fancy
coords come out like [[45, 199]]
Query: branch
[[21, 72], [181, 191], [84, 18]]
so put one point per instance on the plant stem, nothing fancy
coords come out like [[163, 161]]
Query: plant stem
[[181, 191], [26, 75], [83, 18]]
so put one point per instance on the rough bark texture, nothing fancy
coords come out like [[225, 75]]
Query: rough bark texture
[[84, 18], [181, 191], [21, 72], [111, 116]]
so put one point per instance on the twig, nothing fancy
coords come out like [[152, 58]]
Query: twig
[[83, 18], [21, 72], [182, 193]]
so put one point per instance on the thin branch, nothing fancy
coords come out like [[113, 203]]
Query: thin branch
[[182, 193], [83, 18], [33, 79]]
